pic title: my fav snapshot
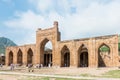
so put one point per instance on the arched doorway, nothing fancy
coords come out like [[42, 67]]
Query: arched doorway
[[103, 55], [83, 57], [46, 53], [19, 57], [65, 57], [10, 57], [30, 56]]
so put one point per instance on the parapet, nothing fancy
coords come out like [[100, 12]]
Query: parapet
[[55, 23]]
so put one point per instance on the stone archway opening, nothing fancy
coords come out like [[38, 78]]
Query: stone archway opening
[[46, 53], [83, 57], [65, 57], [30, 56], [10, 58], [19, 57], [103, 55]]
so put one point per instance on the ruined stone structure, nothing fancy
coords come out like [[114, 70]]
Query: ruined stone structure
[[70, 53], [2, 59]]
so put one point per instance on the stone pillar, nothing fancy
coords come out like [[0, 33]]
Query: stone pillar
[[37, 54], [115, 61], [7, 57], [73, 55], [25, 58], [15, 57], [56, 57], [92, 53], [34, 57]]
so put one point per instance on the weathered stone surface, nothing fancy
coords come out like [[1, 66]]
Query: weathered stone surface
[[69, 53]]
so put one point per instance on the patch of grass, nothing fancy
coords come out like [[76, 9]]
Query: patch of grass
[[87, 75], [68, 79], [98, 69], [5, 70], [47, 78], [112, 74], [31, 78]]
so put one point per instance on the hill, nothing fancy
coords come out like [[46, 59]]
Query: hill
[[5, 42]]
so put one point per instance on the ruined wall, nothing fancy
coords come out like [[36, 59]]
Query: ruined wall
[[24, 49], [92, 44], [75, 47]]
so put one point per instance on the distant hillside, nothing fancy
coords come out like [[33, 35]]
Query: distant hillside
[[5, 42]]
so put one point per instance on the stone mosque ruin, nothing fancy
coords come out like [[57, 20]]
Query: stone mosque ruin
[[99, 51]]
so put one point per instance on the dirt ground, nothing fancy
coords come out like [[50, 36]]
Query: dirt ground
[[10, 77], [68, 71], [54, 71]]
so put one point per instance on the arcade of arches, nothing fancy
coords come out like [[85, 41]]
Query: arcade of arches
[[99, 51]]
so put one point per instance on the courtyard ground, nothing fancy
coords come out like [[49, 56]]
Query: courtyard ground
[[21, 73]]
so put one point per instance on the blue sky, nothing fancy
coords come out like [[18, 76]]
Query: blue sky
[[19, 19]]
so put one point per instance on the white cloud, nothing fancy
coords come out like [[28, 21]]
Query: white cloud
[[29, 38], [42, 5], [25, 20], [97, 19], [92, 19]]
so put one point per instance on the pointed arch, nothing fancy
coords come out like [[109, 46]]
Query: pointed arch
[[29, 56], [83, 57], [65, 57], [45, 53], [104, 47], [19, 57], [10, 57], [43, 42], [103, 52]]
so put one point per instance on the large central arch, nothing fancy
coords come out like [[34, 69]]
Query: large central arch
[[45, 54], [83, 56], [65, 57], [42, 37]]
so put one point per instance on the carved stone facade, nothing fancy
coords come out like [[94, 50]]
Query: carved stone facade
[[69, 53]]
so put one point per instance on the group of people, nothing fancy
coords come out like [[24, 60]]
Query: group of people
[[29, 66], [39, 65], [1, 65], [30, 69]]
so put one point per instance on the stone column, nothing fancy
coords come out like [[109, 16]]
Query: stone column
[[24, 58], [92, 53], [15, 58], [7, 58]]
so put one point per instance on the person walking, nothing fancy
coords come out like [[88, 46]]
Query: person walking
[[12, 67], [30, 68]]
